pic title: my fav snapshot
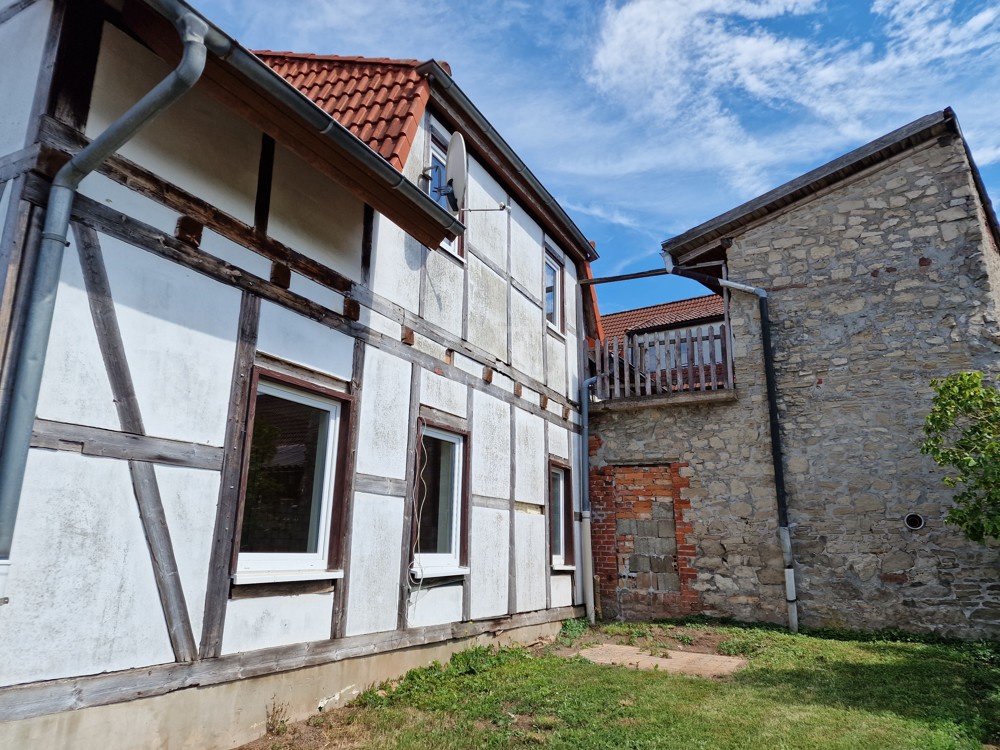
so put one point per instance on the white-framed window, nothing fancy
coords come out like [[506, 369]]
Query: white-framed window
[[560, 516], [553, 292], [287, 494], [437, 161], [438, 516]]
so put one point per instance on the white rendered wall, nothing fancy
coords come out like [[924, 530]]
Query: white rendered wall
[[112, 195], [444, 289], [22, 39], [179, 329], [526, 251], [486, 230], [373, 596], [83, 599], [562, 590], [489, 561], [434, 606], [558, 440], [396, 261], [315, 215], [385, 410], [529, 325], [75, 385], [490, 446], [555, 364], [197, 144], [190, 499], [532, 465], [276, 621], [529, 555], [438, 392], [295, 338], [487, 309]]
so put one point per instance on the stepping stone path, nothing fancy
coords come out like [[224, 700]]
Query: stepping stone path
[[679, 662]]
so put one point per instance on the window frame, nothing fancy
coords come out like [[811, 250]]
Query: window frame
[[326, 563], [567, 560], [550, 260], [436, 564], [438, 137]]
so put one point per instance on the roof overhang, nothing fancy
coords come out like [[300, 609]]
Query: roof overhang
[[249, 86], [705, 238], [451, 103]]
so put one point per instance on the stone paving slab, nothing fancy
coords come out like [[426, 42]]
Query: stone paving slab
[[679, 662]]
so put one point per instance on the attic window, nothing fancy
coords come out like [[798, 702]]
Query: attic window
[[437, 159]]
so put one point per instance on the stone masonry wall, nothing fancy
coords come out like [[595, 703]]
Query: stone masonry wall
[[641, 552], [876, 286]]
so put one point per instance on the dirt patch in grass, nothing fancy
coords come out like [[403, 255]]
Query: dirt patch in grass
[[332, 730], [655, 639]]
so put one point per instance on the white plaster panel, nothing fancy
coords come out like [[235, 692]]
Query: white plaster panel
[[444, 289], [558, 440], [190, 498], [271, 621], [196, 143], [490, 446], [555, 364], [75, 385], [486, 230], [573, 365], [22, 39], [382, 324], [529, 556], [295, 338], [179, 329], [396, 262], [439, 392], [490, 547], [385, 412], [530, 477], [526, 239], [528, 325], [487, 309], [124, 200], [83, 599], [434, 606], [316, 292], [241, 257], [373, 596], [562, 590], [316, 216]]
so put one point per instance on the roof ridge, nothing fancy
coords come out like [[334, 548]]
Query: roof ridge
[[397, 62], [660, 304]]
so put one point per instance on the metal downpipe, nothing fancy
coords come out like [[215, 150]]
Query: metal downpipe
[[780, 491], [587, 549], [30, 363]]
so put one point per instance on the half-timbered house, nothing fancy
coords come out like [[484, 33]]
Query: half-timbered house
[[298, 422]]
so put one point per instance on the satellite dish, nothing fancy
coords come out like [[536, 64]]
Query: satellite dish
[[456, 172]]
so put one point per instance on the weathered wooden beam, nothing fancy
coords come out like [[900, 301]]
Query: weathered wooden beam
[[217, 590], [97, 441], [379, 485], [147, 494], [54, 696]]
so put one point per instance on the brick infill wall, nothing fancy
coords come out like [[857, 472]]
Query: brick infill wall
[[643, 552]]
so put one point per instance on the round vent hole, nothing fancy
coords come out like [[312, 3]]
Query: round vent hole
[[914, 521]]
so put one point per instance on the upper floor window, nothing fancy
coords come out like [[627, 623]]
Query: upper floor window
[[436, 173], [438, 516], [286, 513], [553, 292]]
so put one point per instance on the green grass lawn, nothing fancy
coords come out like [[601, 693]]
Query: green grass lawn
[[798, 692]]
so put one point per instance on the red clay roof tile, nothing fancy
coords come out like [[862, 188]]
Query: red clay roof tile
[[657, 316], [379, 100]]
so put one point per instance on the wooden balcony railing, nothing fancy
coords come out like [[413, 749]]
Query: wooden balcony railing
[[665, 362]]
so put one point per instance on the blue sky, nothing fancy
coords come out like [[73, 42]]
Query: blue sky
[[646, 117]]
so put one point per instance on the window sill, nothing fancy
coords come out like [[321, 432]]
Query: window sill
[[282, 576], [563, 568], [555, 331], [419, 573]]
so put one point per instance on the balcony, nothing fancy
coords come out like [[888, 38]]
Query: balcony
[[663, 364]]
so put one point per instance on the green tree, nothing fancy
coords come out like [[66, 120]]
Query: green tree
[[962, 434]]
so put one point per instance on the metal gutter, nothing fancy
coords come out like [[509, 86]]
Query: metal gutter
[[444, 82], [260, 74], [30, 360]]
